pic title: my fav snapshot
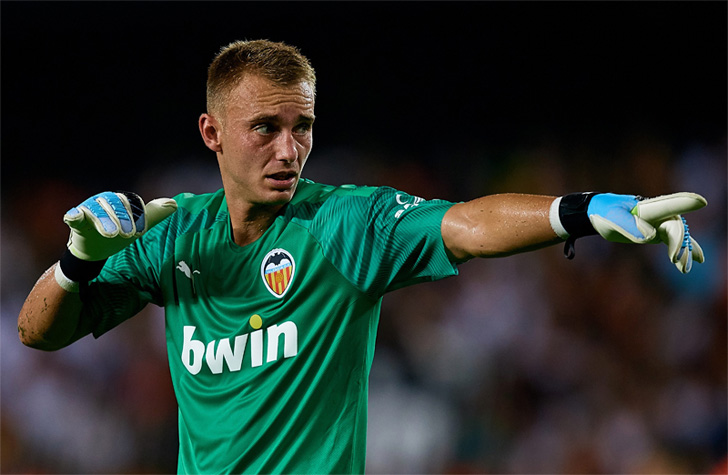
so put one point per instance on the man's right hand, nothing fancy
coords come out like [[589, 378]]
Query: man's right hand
[[108, 222]]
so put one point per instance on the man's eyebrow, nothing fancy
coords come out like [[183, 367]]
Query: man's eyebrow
[[264, 118], [275, 118]]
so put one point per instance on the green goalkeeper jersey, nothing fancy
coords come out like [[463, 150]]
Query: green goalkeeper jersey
[[270, 344]]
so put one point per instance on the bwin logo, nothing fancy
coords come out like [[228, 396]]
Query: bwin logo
[[195, 351]]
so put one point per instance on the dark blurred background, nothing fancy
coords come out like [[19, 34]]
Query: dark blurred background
[[612, 363]]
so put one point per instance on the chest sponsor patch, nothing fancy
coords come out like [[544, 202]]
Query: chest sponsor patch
[[277, 271]]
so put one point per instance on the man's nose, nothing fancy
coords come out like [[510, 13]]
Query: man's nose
[[286, 147]]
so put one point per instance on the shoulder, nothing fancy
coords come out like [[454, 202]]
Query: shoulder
[[204, 208], [194, 212], [318, 201], [197, 203], [311, 192], [375, 199]]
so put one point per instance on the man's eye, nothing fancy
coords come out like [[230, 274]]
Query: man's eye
[[302, 128], [263, 129]]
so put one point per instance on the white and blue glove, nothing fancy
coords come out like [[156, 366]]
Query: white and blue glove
[[630, 219], [103, 225]]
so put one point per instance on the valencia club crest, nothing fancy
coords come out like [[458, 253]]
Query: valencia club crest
[[277, 271]]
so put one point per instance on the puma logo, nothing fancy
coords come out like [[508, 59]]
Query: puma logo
[[186, 269]]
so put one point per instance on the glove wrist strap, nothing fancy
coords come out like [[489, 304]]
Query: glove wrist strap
[[66, 284], [573, 214], [78, 270], [570, 220], [556, 221]]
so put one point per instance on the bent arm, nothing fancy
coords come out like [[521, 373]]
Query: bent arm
[[498, 225], [51, 316]]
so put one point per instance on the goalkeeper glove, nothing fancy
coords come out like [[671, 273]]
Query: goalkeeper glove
[[630, 219], [101, 226]]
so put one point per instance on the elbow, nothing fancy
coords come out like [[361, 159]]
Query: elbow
[[34, 339], [27, 339], [39, 344], [31, 341], [26, 335]]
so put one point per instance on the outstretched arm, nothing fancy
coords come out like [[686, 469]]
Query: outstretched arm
[[500, 225]]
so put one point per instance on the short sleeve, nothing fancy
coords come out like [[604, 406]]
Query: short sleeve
[[385, 239], [126, 284]]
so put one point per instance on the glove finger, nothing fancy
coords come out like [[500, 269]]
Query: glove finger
[[662, 207], [137, 209], [98, 218], [117, 208], [75, 218], [132, 221], [91, 213], [698, 255], [640, 231], [685, 263], [672, 233], [158, 210], [683, 249]]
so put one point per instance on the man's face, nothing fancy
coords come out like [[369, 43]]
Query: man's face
[[265, 139]]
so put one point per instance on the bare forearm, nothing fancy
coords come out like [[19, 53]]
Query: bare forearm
[[498, 225], [49, 319]]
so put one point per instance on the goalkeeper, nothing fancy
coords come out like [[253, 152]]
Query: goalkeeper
[[272, 285]]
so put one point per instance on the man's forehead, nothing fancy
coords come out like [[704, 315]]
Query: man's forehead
[[255, 92]]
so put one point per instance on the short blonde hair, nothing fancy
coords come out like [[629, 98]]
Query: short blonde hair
[[280, 63]]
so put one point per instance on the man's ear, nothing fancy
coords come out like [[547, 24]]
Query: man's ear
[[211, 131]]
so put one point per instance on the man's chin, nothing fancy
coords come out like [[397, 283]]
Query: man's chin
[[280, 197]]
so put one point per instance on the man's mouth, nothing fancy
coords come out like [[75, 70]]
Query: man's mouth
[[282, 180]]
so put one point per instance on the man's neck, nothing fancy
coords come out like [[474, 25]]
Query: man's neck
[[250, 223]]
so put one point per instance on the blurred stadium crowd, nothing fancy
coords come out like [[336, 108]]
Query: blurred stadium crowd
[[610, 363]]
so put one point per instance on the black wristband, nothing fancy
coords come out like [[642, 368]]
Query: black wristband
[[573, 216], [79, 270]]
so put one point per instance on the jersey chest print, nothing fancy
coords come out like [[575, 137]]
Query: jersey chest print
[[261, 343]]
